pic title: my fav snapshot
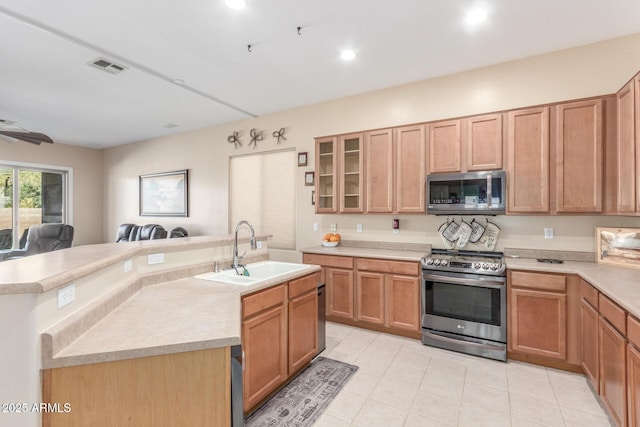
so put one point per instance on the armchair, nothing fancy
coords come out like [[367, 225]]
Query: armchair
[[44, 238]]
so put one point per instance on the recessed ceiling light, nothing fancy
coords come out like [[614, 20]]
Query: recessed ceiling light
[[476, 16], [347, 55], [235, 4]]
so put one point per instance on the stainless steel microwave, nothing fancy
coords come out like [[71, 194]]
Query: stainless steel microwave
[[472, 193]]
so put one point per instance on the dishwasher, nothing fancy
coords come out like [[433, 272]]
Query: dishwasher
[[322, 334]]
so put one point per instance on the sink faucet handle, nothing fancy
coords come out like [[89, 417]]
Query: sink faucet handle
[[242, 256]]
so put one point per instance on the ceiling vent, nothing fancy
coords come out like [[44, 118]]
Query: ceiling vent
[[107, 65]]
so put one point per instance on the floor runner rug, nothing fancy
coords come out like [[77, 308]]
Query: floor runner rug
[[301, 402]]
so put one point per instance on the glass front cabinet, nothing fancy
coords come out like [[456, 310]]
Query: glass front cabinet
[[326, 169], [351, 172]]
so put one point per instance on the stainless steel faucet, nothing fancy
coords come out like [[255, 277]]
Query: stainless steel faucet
[[252, 239]]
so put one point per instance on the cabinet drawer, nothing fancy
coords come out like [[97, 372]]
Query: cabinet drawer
[[542, 281], [303, 285], [385, 266], [613, 313], [633, 330], [328, 260], [262, 300], [589, 293]]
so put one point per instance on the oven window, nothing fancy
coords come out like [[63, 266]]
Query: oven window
[[470, 303]]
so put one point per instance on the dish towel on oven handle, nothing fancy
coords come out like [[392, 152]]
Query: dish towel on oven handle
[[490, 236]]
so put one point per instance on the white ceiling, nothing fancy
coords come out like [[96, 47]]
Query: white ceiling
[[46, 86]]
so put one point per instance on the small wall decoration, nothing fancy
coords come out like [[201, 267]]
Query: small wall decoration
[[309, 178], [164, 194], [279, 135], [234, 139], [255, 137], [302, 159], [618, 246]]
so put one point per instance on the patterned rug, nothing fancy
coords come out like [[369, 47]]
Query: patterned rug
[[304, 399]]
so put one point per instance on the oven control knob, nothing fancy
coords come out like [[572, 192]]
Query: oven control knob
[[429, 261], [494, 267], [477, 266], [436, 262], [485, 266], [444, 262]]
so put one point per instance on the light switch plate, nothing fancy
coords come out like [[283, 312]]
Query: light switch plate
[[333, 228], [396, 231], [66, 295], [128, 265], [258, 244], [155, 258], [316, 226], [359, 228]]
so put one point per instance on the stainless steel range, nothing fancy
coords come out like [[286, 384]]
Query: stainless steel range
[[464, 296]]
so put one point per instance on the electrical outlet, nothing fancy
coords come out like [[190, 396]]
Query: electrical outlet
[[396, 231], [333, 228], [128, 265], [548, 233], [66, 296], [316, 226], [155, 258], [359, 228], [258, 244]]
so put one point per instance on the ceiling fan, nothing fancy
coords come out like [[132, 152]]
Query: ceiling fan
[[8, 128]]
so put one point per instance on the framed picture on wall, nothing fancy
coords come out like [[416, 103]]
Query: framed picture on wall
[[165, 194], [302, 159], [618, 246], [309, 178]]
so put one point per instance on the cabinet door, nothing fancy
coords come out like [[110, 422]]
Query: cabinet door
[[264, 340], [633, 378], [403, 302], [339, 293], [626, 150], [579, 162], [538, 323], [326, 181], [351, 173], [303, 330], [590, 359], [370, 297], [613, 384], [410, 169], [528, 161], [636, 83], [444, 146], [379, 165], [484, 142]]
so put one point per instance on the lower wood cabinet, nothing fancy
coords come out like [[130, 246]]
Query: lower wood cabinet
[[633, 385], [372, 293], [279, 335], [182, 389], [613, 376]]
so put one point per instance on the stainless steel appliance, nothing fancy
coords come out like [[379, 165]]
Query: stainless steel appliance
[[473, 193], [322, 334], [464, 296]]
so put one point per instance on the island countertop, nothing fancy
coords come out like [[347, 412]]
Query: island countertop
[[183, 315]]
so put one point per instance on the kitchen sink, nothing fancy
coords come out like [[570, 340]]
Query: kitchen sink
[[258, 272]]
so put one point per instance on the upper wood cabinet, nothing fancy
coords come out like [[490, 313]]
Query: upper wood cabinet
[[351, 172], [326, 181], [380, 171], [484, 142], [579, 156], [395, 170], [410, 169], [444, 146], [528, 161], [626, 149]]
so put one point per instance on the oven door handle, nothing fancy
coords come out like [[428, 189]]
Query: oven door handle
[[481, 283]]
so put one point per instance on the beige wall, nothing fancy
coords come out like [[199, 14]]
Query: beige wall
[[576, 73], [87, 180]]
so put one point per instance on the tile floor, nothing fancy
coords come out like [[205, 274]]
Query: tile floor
[[403, 383]]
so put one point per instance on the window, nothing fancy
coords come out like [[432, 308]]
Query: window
[[31, 195], [262, 191]]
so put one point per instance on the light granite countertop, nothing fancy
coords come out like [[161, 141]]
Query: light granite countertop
[[369, 252], [183, 315], [43, 272]]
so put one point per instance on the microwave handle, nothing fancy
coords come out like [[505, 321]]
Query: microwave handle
[[489, 190]]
